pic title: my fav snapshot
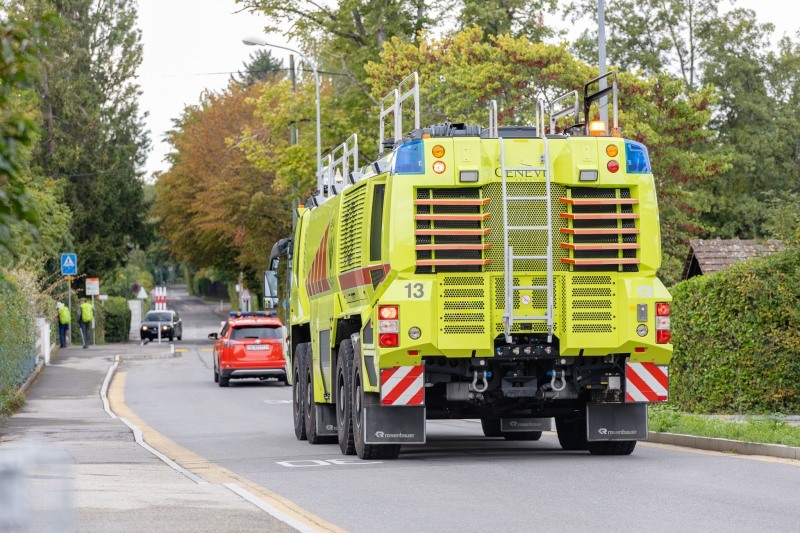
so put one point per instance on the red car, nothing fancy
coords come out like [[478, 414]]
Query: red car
[[250, 345]]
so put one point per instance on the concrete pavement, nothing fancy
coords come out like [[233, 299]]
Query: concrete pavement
[[66, 464]]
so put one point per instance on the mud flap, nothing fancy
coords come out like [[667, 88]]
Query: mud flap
[[607, 421], [508, 425], [326, 419], [394, 425]]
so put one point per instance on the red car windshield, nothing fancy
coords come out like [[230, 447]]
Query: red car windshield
[[255, 332]]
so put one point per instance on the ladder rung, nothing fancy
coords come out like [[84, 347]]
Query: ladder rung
[[530, 287], [521, 228], [527, 197], [528, 257]]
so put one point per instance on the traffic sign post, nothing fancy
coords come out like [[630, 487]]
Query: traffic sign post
[[93, 289], [244, 298], [69, 269]]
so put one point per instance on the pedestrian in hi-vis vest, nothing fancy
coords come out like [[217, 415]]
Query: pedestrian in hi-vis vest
[[64, 318], [85, 316]]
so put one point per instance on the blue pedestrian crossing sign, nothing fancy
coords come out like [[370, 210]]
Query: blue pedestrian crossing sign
[[69, 264]]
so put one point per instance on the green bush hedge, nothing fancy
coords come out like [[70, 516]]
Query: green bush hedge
[[18, 333], [117, 319], [737, 339]]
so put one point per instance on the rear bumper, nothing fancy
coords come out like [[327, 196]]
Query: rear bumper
[[236, 373]]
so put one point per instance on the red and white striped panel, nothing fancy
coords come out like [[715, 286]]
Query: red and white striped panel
[[646, 382], [403, 385]]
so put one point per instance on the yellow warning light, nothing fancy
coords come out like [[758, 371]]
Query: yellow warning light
[[612, 150], [597, 128], [438, 151]]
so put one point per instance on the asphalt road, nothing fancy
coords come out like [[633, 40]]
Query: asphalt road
[[460, 480]]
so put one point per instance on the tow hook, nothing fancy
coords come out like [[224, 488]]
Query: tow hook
[[558, 376], [479, 376]]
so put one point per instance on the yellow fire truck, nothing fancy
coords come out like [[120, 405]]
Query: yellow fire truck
[[503, 273]]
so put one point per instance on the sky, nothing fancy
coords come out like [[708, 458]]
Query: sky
[[193, 45]]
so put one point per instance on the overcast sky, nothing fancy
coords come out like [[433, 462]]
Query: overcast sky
[[193, 45]]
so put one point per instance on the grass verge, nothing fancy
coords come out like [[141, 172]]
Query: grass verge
[[761, 429]]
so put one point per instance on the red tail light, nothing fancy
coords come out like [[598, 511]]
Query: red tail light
[[389, 340], [663, 323], [388, 312]]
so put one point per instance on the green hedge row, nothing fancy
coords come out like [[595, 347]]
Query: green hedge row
[[117, 319], [737, 339], [17, 342]]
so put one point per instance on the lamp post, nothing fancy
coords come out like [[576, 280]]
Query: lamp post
[[258, 41]]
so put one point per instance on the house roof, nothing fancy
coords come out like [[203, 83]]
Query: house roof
[[707, 256]]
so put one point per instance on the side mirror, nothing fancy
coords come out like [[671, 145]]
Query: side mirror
[[271, 289], [213, 336]]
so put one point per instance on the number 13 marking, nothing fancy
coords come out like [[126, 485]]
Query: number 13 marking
[[418, 290]]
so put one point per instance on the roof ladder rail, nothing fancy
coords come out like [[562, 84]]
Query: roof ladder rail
[[397, 97], [508, 250], [565, 110], [493, 132]]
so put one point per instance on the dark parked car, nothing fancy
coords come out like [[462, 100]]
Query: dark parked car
[[168, 322]]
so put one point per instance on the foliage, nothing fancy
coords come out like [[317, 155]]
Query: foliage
[[19, 309], [766, 430], [214, 207], [126, 281], [260, 66], [117, 319], [93, 137], [19, 61], [459, 74], [737, 338]]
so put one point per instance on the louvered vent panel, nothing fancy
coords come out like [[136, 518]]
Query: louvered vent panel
[[352, 228]]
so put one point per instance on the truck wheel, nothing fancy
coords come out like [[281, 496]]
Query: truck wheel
[[309, 403], [491, 427], [612, 447], [344, 422], [298, 391], [571, 432], [359, 400], [522, 435]]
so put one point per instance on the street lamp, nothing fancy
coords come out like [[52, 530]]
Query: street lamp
[[258, 41]]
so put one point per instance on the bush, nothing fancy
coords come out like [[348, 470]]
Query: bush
[[18, 332], [117, 319], [737, 339]]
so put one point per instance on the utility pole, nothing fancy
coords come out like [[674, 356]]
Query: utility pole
[[601, 46], [293, 141]]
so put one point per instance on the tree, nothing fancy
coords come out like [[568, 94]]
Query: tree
[[214, 207], [19, 60], [508, 17], [260, 66], [93, 136]]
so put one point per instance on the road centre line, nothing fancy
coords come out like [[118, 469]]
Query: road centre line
[[207, 472]]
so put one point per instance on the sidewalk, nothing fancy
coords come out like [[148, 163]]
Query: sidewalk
[[85, 471]]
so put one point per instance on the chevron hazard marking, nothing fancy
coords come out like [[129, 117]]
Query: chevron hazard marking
[[646, 382], [403, 385]]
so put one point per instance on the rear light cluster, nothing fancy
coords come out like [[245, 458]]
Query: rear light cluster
[[662, 323], [388, 326]]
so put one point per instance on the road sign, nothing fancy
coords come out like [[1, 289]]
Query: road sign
[[69, 264], [245, 295], [142, 294], [102, 297], [92, 286]]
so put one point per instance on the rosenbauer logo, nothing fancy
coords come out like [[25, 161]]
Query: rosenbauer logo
[[382, 435], [604, 431]]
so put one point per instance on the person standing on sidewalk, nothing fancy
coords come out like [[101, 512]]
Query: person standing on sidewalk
[[64, 319], [85, 316]]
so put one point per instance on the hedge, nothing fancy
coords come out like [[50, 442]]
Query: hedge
[[737, 339], [18, 333], [117, 319]]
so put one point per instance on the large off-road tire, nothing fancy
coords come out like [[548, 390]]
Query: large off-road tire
[[491, 427], [612, 447], [357, 403], [571, 432], [310, 413], [298, 391], [344, 422]]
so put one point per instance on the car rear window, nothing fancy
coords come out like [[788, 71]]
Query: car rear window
[[158, 317], [255, 332]]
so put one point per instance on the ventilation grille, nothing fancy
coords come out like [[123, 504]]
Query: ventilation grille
[[601, 228], [352, 228], [592, 304], [530, 213], [450, 230], [464, 311], [536, 304]]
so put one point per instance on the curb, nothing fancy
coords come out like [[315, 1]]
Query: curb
[[725, 445]]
